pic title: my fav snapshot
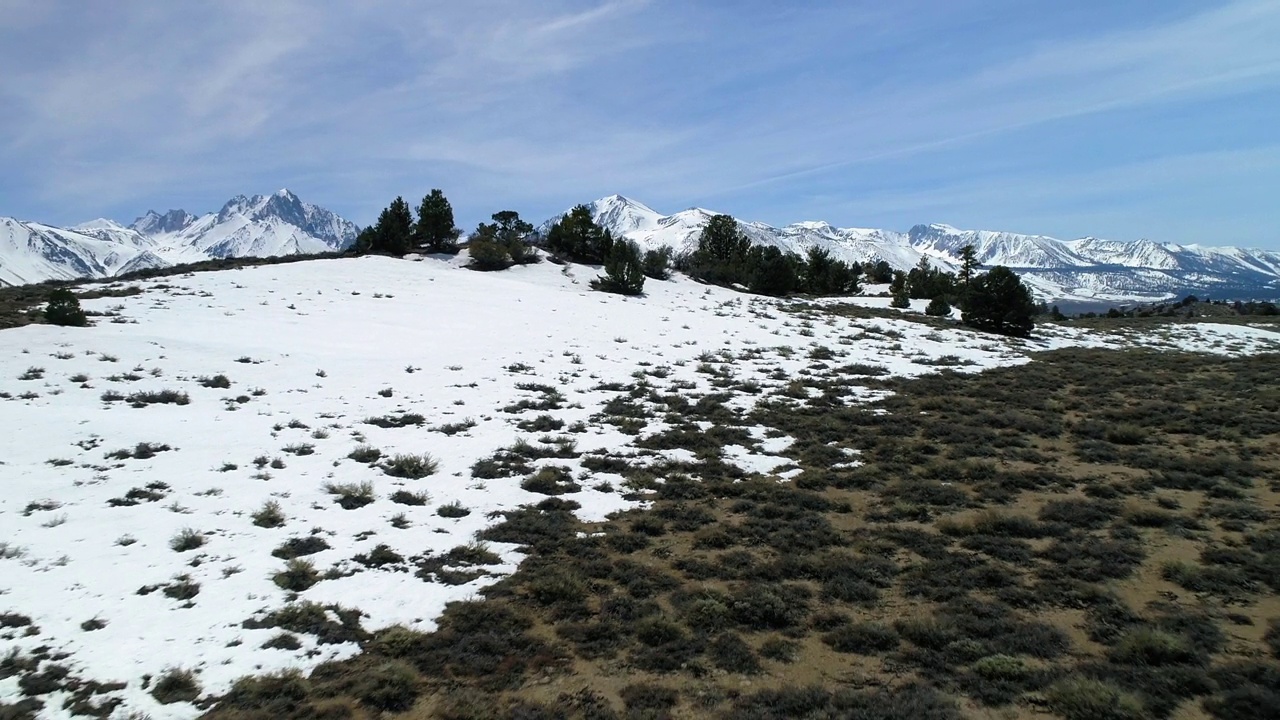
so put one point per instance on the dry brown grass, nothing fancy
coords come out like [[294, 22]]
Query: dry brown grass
[[1009, 543]]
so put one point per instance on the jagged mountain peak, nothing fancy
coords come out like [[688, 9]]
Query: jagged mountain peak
[[154, 223], [258, 226], [1085, 270]]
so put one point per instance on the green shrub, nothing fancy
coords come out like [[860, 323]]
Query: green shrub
[[351, 495], [176, 685], [186, 539], [863, 638], [1149, 646], [404, 497], [299, 547], [1080, 698], [412, 467], [390, 687], [938, 307], [452, 510], [365, 454], [269, 515], [298, 575], [64, 309]]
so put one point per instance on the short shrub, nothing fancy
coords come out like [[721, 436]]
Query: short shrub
[[351, 495], [186, 539], [551, 480], [412, 467], [217, 381], [452, 510], [269, 515], [365, 454], [282, 641], [298, 575], [404, 497], [162, 397], [1080, 698], [1149, 646], [644, 698], [780, 649], [731, 653], [862, 638], [390, 687], [1272, 637], [298, 547], [176, 685]]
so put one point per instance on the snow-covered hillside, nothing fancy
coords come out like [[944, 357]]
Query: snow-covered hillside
[[1082, 270], [281, 368], [260, 226]]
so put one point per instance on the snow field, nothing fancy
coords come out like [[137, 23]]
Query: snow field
[[310, 350]]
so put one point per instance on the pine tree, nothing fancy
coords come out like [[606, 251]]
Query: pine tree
[[578, 238], [501, 244], [901, 300], [657, 263], [968, 264], [435, 230], [393, 233], [999, 302], [771, 271], [64, 309], [624, 271], [721, 256], [938, 307]]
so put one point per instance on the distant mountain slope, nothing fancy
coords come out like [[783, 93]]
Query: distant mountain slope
[[258, 226], [1085, 270]]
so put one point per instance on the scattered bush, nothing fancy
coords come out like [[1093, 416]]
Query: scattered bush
[[298, 575], [269, 515], [217, 381], [452, 510], [163, 397], [351, 496], [186, 539], [412, 467], [1080, 698], [862, 638], [176, 685], [365, 454], [390, 687], [404, 497]]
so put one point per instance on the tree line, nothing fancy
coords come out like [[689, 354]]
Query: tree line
[[995, 301]]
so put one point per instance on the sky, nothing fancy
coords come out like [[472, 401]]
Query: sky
[[1151, 119]]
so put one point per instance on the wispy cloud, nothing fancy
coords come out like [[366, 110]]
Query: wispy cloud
[[763, 109]]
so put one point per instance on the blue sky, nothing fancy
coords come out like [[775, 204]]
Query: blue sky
[[1146, 118]]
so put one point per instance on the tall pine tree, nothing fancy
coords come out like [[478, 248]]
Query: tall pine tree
[[435, 230], [578, 238]]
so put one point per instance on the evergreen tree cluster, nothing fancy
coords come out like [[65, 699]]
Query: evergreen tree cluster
[[502, 243], [578, 238], [725, 256], [397, 232]]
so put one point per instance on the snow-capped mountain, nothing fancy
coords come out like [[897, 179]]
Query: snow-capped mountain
[[258, 226], [1082, 271]]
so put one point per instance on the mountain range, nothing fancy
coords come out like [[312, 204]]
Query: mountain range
[[258, 226], [1073, 272]]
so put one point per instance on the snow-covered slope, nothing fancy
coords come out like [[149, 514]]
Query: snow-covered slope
[[260, 226], [1085, 270], [32, 252], [307, 353]]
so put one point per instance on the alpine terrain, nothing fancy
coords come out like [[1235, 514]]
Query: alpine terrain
[[1088, 270], [258, 226]]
